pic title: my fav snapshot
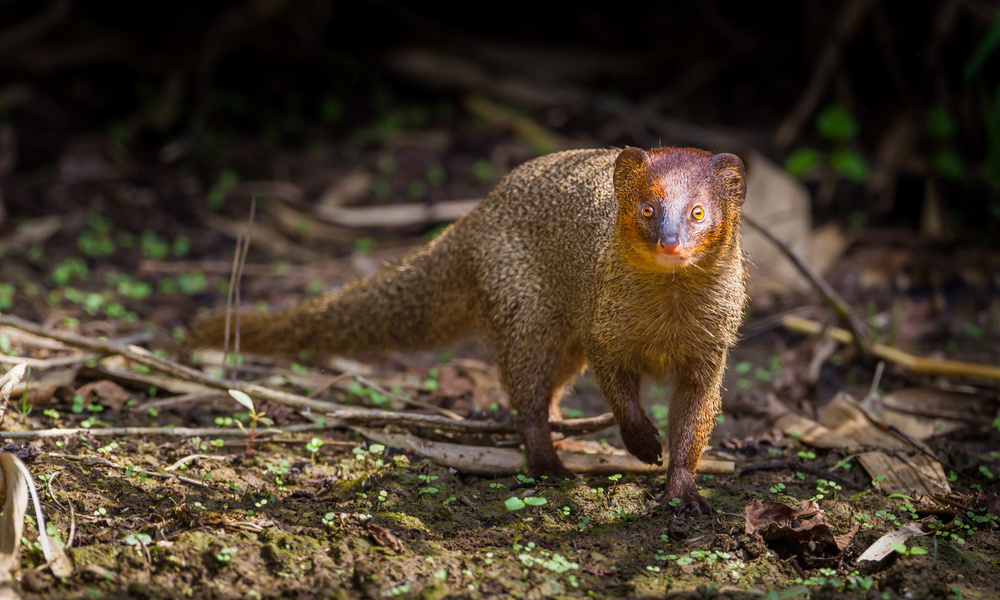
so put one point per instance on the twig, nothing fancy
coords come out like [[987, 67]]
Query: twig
[[239, 281], [915, 364], [414, 421], [183, 432], [49, 363], [235, 279], [7, 383], [412, 402], [851, 16], [832, 298], [36, 26], [191, 457], [170, 367], [103, 462], [182, 399], [229, 304]]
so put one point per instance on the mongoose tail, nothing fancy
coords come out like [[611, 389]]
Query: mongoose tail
[[426, 300]]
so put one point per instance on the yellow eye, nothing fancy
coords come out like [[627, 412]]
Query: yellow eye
[[648, 211], [698, 213]]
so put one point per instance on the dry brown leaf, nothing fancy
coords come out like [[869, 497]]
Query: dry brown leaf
[[843, 415], [923, 412], [111, 394], [808, 431], [905, 474], [383, 537], [802, 524]]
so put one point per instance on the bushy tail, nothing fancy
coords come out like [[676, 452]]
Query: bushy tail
[[426, 300]]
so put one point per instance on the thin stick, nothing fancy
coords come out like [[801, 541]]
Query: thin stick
[[915, 364], [239, 280], [410, 401], [229, 303], [103, 462], [182, 432], [171, 368], [833, 299], [415, 420]]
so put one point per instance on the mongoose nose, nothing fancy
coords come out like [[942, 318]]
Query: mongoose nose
[[669, 244]]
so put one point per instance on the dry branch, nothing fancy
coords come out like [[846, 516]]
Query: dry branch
[[182, 432], [169, 367], [832, 298], [916, 364], [421, 421]]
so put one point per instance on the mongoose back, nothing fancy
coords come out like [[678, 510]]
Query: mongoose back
[[626, 261]]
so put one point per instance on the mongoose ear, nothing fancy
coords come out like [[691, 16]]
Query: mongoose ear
[[630, 162], [730, 177]]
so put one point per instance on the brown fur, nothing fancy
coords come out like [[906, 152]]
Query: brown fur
[[558, 269]]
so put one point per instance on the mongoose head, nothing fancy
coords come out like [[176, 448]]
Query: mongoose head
[[678, 208]]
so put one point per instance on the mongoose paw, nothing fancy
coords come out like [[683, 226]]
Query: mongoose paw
[[643, 443], [682, 495]]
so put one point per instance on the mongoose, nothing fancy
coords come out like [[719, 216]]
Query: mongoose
[[626, 261]]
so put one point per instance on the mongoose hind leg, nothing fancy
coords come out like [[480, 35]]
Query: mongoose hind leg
[[534, 382], [691, 419]]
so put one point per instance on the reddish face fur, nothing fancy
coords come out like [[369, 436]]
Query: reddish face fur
[[677, 207]]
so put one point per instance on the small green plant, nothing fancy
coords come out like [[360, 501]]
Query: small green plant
[[313, 447], [515, 504], [138, 540], [908, 550], [255, 417], [427, 479], [226, 555], [777, 488]]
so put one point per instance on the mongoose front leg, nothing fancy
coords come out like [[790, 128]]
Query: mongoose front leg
[[692, 415], [621, 390]]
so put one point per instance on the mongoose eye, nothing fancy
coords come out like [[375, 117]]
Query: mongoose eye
[[698, 213], [648, 211]]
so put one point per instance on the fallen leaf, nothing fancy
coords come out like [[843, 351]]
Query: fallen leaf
[[883, 546], [14, 491], [802, 525], [382, 537], [111, 394]]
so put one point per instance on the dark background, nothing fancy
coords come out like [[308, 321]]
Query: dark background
[[152, 114]]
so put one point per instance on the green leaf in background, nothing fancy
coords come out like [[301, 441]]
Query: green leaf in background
[[949, 164], [986, 47], [940, 125], [802, 161], [851, 165], [836, 123]]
